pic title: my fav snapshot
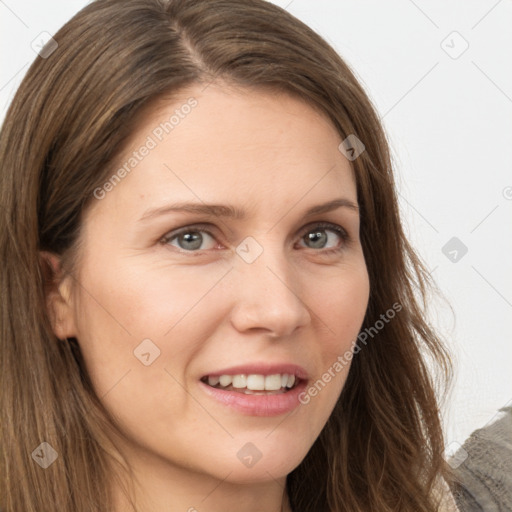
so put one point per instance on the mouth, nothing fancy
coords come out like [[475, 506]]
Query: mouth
[[257, 389], [254, 383]]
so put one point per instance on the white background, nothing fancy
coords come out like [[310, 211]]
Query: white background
[[449, 121]]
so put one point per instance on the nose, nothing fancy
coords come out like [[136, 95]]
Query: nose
[[267, 297]]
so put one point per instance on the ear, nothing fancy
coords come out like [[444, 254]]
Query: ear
[[57, 289]]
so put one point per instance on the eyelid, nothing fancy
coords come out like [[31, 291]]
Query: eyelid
[[190, 227], [325, 225]]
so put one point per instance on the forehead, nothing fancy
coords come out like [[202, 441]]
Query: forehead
[[242, 145]]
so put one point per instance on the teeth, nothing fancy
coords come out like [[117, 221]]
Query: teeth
[[273, 382], [225, 380], [250, 392], [254, 382], [240, 381], [213, 381]]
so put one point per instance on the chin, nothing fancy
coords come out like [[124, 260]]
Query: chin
[[260, 460]]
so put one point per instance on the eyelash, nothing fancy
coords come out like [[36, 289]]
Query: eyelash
[[342, 233]]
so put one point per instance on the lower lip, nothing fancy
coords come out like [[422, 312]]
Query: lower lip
[[257, 405]]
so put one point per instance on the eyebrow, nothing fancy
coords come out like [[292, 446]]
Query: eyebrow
[[233, 212]]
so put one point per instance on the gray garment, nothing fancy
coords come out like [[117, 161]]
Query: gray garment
[[485, 476]]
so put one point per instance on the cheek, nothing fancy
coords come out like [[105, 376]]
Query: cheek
[[143, 300], [340, 304], [137, 330], [125, 311]]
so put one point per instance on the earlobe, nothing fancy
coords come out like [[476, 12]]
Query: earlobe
[[57, 290]]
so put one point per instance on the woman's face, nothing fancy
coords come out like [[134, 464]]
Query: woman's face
[[229, 247]]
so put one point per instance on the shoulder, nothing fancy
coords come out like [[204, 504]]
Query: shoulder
[[483, 473]]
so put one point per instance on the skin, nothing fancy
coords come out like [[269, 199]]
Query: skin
[[274, 157]]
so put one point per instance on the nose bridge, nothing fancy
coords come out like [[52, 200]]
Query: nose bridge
[[266, 266], [267, 296]]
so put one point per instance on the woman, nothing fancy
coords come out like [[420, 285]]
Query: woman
[[208, 300]]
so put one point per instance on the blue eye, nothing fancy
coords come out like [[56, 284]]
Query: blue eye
[[325, 236], [191, 240]]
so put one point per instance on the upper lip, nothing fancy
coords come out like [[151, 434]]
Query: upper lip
[[261, 369]]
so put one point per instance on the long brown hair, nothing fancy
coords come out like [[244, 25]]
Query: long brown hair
[[382, 448]]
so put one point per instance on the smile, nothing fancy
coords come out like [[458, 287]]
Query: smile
[[253, 384], [258, 389]]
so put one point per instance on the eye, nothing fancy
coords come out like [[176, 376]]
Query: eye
[[191, 239], [325, 236]]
